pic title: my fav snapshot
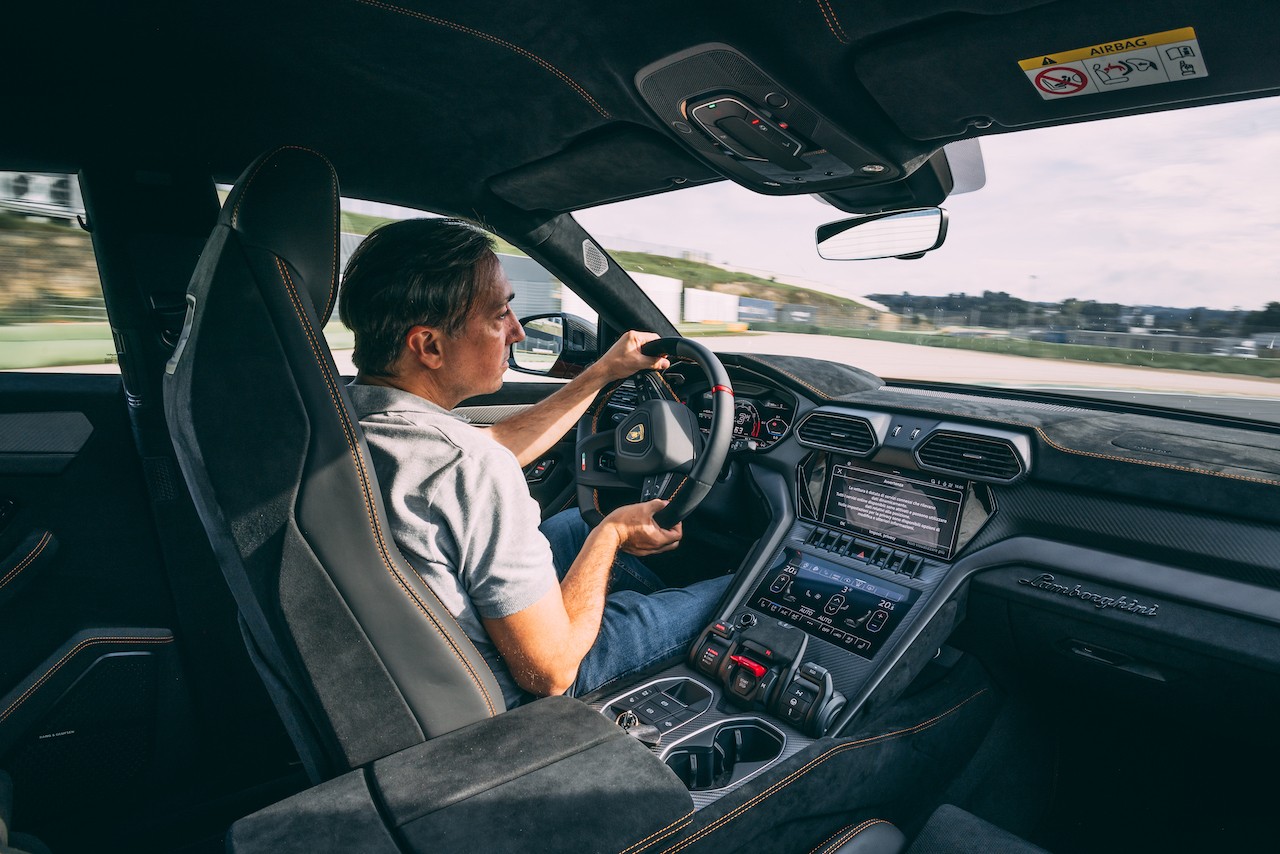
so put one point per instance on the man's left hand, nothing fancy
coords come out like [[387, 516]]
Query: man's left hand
[[624, 357]]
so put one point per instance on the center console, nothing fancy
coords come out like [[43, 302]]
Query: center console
[[815, 623]]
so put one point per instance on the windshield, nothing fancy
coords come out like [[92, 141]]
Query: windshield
[[1133, 259]]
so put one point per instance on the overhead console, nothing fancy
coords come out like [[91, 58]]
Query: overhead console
[[754, 130]]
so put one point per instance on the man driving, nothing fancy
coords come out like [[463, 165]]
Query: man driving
[[554, 607]]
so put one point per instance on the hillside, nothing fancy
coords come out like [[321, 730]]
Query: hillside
[[694, 274], [708, 277]]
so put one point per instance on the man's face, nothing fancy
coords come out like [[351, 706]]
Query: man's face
[[478, 355]]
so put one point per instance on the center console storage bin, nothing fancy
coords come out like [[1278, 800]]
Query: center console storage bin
[[552, 774]]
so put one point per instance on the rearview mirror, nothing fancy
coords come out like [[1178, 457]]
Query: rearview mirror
[[555, 345], [897, 234]]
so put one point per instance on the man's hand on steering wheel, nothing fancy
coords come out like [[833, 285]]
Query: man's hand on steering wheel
[[658, 448], [624, 358], [638, 534]]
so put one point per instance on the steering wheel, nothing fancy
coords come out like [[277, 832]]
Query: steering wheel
[[657, 448]]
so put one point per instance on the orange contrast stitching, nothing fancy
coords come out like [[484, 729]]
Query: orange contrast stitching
[[844, 835], [348, 433], [337, 240], [833, 22], [670, 829], [333, 186], [29, 559], [662, 379], [817, 391], [48, 674], [431, 19], [814, 763]]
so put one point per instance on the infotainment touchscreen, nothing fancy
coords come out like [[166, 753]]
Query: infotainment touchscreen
[[850, 609], [912, 512]]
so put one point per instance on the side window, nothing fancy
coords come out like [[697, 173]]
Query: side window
[[537, 290], [52, 316]]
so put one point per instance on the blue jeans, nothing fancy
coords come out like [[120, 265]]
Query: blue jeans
[[643, 624]]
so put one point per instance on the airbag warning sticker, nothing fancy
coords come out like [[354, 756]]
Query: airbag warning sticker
[[1114, 66]]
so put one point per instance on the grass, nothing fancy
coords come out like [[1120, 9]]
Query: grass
[[51, 345], [1269, 368]]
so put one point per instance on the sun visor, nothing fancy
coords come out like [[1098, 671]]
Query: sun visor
[[621, 162], [1054, 63]]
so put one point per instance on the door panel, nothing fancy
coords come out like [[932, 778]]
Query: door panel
[[108, 712]]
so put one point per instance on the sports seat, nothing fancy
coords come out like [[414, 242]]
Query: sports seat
[[359, 656]]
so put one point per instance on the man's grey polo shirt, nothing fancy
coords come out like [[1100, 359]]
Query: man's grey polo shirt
[[459, 511]]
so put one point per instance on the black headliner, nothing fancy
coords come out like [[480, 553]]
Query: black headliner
[[437, 104]]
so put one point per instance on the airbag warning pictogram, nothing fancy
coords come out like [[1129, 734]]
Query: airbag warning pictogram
[[1114, 66]]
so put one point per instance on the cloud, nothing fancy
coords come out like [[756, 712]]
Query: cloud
[[1174, 208]]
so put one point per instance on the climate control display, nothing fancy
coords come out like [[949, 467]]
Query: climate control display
[[849, 609]]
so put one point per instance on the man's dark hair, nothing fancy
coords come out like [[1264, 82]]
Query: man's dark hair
[[418, 272]]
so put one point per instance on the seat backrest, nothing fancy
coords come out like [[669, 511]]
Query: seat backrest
[[360, 657]]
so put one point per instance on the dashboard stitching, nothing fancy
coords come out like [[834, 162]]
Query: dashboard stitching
[[812, 764], [1039, 430], [970, 398], [811, 388]]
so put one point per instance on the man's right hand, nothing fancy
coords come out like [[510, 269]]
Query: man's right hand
[[638, 534]]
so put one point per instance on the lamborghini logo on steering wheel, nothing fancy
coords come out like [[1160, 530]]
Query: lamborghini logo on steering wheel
[[636, 434]]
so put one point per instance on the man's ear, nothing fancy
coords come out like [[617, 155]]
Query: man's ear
[[425, 346]]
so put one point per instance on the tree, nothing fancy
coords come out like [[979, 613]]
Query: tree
[[1267, 320]]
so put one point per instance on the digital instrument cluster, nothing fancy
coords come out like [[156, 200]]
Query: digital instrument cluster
[[758, 421]]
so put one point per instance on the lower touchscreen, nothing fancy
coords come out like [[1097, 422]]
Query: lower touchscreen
[[842, 606]]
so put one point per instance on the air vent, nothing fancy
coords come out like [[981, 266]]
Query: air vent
[[594, 259], [837, 433], [972, 456], [626, 396]]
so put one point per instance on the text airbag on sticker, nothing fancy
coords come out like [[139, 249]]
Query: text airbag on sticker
[[1113, 66]]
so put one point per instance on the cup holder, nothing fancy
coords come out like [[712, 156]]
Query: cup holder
[[715, 759]]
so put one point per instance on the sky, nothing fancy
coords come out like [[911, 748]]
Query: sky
[[1180, 208]]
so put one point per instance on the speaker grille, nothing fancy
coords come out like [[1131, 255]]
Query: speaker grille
[[594, 258], [973, 456], [837, 433]]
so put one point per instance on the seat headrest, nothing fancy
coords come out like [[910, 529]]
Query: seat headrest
[[287, 202]]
